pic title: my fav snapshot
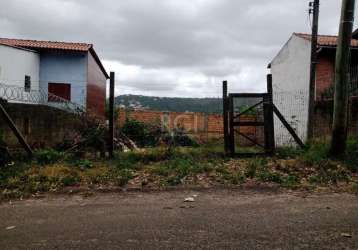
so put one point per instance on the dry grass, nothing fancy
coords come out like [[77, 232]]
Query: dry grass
[[159, 167]]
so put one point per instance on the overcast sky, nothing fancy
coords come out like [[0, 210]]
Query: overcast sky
[[172, 47]]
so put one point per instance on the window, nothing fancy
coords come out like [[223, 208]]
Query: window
[[62, 90], [27, 83]]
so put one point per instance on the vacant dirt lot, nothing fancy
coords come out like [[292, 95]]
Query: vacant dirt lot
[[217, 219]]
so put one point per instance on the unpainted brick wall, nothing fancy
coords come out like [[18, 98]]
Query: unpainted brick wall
[[324, 74], [200, 125]]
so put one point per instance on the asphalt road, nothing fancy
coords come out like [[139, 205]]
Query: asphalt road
[[220, 219]]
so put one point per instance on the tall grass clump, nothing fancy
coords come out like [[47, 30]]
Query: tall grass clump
[[351, 158]]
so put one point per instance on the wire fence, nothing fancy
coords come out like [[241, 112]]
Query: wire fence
[[18, 94]]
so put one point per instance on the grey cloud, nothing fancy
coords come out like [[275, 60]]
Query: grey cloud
[[169, 39]]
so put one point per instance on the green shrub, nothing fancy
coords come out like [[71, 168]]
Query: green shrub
[[48, 156], [316, 154], [329, 173], [351, 158], [83, 164], [290, 181], [123, 176], [134, 160], [179, 167], [237, 178], [354, 187], [288, 152], [69, 180], [253, 166], [143, 134], [265, 175], [179, 138]]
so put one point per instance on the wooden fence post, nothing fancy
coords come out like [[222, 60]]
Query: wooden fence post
[[14, 129], [231, 125], [111, 114], [225, 117], [270, 119]]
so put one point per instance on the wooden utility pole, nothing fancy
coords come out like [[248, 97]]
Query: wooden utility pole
[[111, 114], [340, 112], [225, 117], [314, 9]]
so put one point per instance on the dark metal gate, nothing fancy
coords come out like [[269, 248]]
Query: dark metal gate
[[255, 112], [249, 129]]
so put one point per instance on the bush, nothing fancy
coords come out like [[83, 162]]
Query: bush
[[254, 166], [48, 156], [288, 152], [290, 181], [83, 164], [329, 173], [179, 167], [315, 154], [179, 138], [354, 187], [123, 176], [351, 158], [144, 135]]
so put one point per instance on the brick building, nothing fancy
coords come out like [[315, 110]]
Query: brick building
[[290, 70]]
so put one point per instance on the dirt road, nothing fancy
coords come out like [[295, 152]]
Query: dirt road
[[217, 219]]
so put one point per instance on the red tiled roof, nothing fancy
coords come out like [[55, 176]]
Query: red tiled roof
[[324, 40], [34, 44]]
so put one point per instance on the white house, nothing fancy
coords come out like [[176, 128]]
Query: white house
[[21, 67], [62, 72], [290, 71], [290, 78]]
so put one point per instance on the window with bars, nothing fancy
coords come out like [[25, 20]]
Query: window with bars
[[27, 83]]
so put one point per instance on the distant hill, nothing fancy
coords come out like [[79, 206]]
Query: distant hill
[[176, 104], [173, 104]]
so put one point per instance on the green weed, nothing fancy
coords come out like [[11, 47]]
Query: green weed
[[354, 187], [48, 156], [290, 181], [316, 154], [123, 176], [83, 164], [253, 166], [289, 152], [329, 173], [351, 158]]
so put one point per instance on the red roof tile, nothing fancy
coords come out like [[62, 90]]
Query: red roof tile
[[324, 40], [34, 44]]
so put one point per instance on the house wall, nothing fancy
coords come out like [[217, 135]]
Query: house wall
[[96, 87], [290, 73], [324, 73], [65, 67], [15, 63]]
